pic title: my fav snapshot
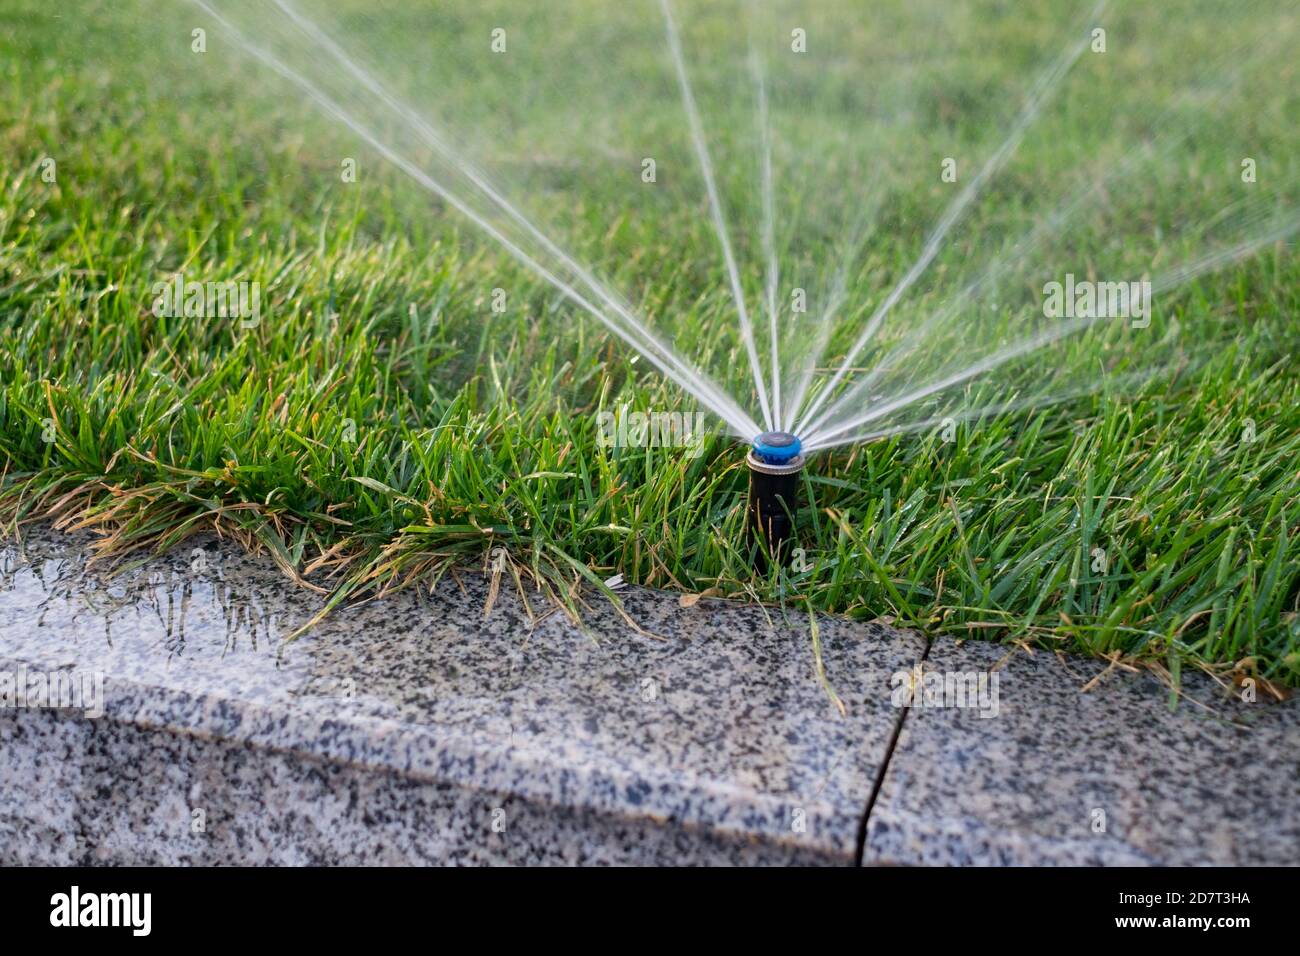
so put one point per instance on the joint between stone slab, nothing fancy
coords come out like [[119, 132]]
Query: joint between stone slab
[[885, 764]]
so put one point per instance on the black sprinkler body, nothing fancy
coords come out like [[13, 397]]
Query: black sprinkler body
[[775, 464]]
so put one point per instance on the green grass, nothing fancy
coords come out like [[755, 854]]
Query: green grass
[[368, 446]]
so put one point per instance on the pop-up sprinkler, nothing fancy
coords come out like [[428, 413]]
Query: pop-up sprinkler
[[774, 465]]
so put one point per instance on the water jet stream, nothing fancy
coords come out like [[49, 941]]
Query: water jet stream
[[769, 223], [1169, 280], [837, 296], [1020, 250], [637, 336], [1034, 403], [715, 206], [1046, 85]]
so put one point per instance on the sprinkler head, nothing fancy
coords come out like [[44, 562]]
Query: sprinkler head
[[777, 448], [774, 465]]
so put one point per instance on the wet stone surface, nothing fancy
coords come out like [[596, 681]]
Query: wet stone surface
[[414, 729], [1043, 772]]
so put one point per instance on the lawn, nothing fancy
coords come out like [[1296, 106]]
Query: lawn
[[1129, 492]]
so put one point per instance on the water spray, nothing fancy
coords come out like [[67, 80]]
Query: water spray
[[775, 462], [845, 410]]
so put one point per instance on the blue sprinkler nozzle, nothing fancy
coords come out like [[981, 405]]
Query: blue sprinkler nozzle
[[777, 448]]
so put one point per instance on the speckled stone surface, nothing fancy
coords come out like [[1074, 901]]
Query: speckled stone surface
[[415, 730], [1108, 777]]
